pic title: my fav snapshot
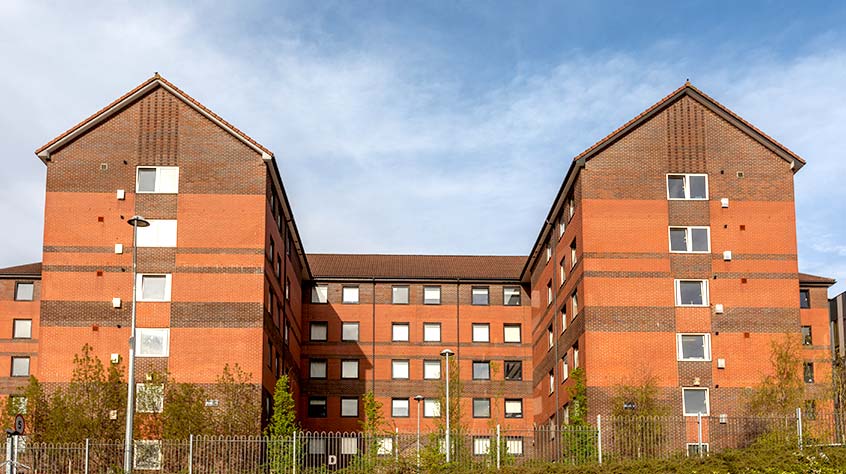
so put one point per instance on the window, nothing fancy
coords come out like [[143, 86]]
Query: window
[[571, 207], [431, 332], [287, 289], [549, 293], [153, 342], [480, 296], [277, 269], [551, 381], [804, 299], [24, 291], [350, 295], [317, 407], [511, 333], [575, 302], [431, 295], [562, 225], [565, 369], [18, 404], [548, 252], [318, 331], [147, 455], [690, 239], [511, 296], [20, 366], [562, 272], [514, 408], [576, 355], [431, 408], [399, 369], [349, 369], [514, 445], [691, 292], [399, 332], [150, 398], [687, 186], [513, 370], [22, 329], [349, 332], [385, 446], [481, 370], [693, 449], [399, 295], [695, 401], [349, 407], [399, 408], [431, 369], [694, 346], [573, 254], [481, 408], [481, 332], [160, 233], [808, 372], [481, 445], [320, 294], [159, 179], [806, 336], [349, 446], [317, 369], [317, 446], [153, 287]]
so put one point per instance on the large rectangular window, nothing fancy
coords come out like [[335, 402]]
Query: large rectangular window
[[349, 407], [399, 369], [691, 292], [399, 408], [694, 346], [481, 370], [318, 331], [317, 407], [431, 369], [431, 295], [399, 332], [695, 401], [481, 332], [160, 233], [431, 332], [687, 186], [153, 342], [157, 179], [24, 291], [320, 294], [349, 295], [480, 296], [481, 408], [153, 287], [513, 370], [349, 332], [513, 408], [20, 366], [690, 239], [399, 295], [22, 329], [349, 369], [511, 333], [511, 296], [317, 369], [431, 408]]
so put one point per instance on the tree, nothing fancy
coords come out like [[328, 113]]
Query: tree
[[185, 411], [239, 408], [281, 428], [782, 391], [637, 424], [580, 447]]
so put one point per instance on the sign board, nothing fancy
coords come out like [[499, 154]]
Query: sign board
[[19, 424]]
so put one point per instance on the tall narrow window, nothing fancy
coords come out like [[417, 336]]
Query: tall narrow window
[[550, 337], [551, 377], [807, 340], [549, 293], [548, 252], [575, 302], [562, 273], [573, 254], [565, 369], [564, 318], [808, 372], [804, 299]]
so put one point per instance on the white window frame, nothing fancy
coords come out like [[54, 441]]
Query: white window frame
[[551, 376], [514, 445], [156, 393], [430, 364], [512, 402], [505, 296], [349, 324], [427, 289], [161, 233], [509, 339], [350, 365], [398, 337], [320, 294], [397, 370], [487, 328], [706, 342], [703, 287], [318, 324], [480, 290], [162, 332], [705, 446], [481, 445], [316, 366], [427, 328], [707, 401], [350, 294], [164, 176], [688, 237], [687, 187], [29, 284], [28, 366], [139, 285]]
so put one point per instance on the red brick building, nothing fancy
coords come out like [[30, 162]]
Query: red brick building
[[669, 254]]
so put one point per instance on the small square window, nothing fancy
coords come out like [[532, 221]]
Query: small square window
[[804, 299], [399, 295], [691, 292], [690, 239], [695, 401], [808, 372], [431, 408], [349, 369], [513, 370], [481, 445], [318, 331], [481, 370], [480, 296], [20, 366], [153, 342], [399, 369], [399, 332], [349, 332], [431, 369], [431, 295], [431, 332], [153, 287], [481, 332], [694, 346], [150, 398], [317, 407], [511, 296], [24, 291], [481, 408], [514, 408], [349, 407], [807, 340], [22, 329], [514, 445], [511, 333], [320, 294], [399, 408], [350, 295], [317, 369]]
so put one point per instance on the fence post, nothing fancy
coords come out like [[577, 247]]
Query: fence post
[[599, 438], [87, 451], [190, 454], [396, 446], [699, 429], [498, 445], [799, 426], [8, 455]]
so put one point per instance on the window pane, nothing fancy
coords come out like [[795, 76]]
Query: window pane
[[349, 369], [690, 293], [153, 287], [400, 295], [22, 329], [320, 294], [511, 333], [513, 408], [399, 408], [695, 401], [153, 342], [317, 369], [480, 296], [400, 332], [160, 233], [318, 331], [693, 346], [809, 372], [349, 407], [481, 333], [431, 369], [481, 370], [514, 446], [24, 291], [431, 408], [350, 294], [432, 295], [147, 180], [317, 407], [481, 408], [349, 332], [20, 366], [700, 240], [349, 446], [150, 398], [806, 335], [804, 299], [675, 185], [431, 332], [399, 369], [513, 370], [481, 446], [678, 240], [698, 190], [511, 296]]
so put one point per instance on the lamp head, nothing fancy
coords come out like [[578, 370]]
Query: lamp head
[[447, 352], [138, 221], [419, 398]]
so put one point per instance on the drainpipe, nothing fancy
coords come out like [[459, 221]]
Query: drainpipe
[[555, 334], [373, 342]]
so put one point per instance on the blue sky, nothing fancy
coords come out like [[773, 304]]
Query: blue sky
[[430, 127]]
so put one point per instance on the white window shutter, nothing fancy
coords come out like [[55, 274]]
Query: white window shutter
[[168, 180]]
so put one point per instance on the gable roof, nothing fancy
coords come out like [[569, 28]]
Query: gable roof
[[435, 267], [815, 280], [130, 97], [29, 270]]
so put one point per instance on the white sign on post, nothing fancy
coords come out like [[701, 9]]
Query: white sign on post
[[19, 424]]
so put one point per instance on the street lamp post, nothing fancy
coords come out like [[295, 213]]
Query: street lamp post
[[135, 222], [446, 353], [419, 399]]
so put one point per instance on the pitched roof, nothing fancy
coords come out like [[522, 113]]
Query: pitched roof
[[809, 279], [446, 267], [125, 100], [30, 269]]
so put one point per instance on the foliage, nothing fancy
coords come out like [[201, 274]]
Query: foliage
[[580, 442], [184, 412], [434, 452], [640, 430], [282, 425], [239, 413], [782, 391]]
